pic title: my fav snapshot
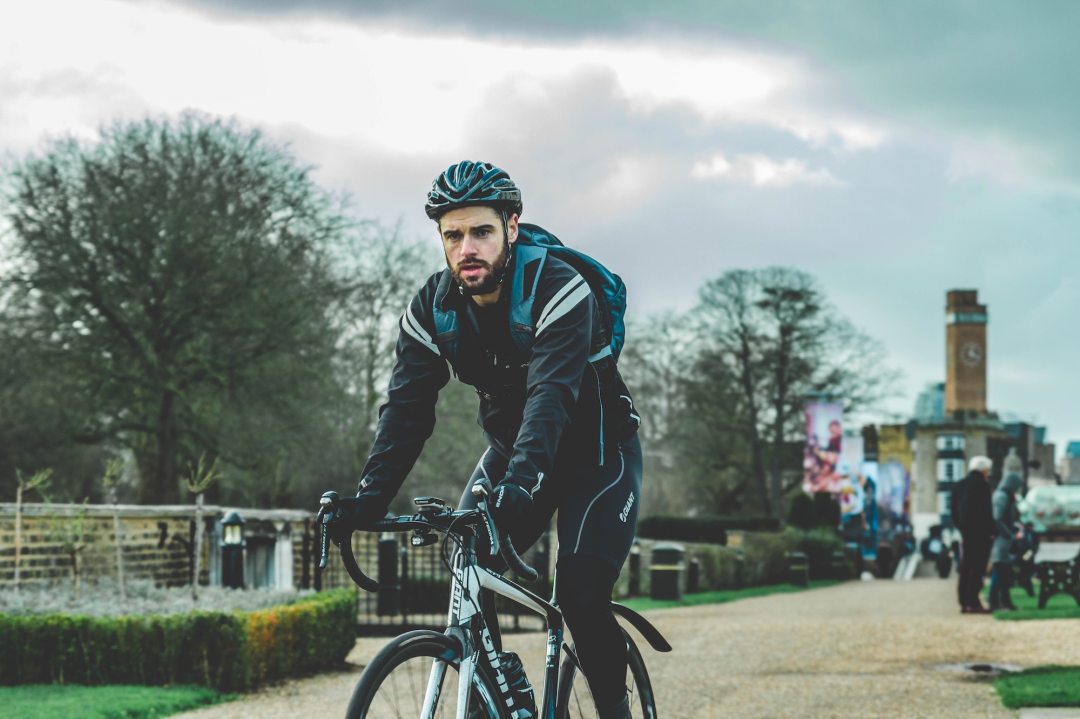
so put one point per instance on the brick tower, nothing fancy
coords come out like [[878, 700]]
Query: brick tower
[[965, 353]]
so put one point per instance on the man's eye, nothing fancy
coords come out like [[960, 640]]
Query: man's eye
[[483, 233]]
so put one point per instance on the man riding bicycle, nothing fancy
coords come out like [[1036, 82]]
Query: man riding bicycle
[[559, 421]]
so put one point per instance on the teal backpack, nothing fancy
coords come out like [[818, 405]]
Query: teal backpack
[[532, 248]]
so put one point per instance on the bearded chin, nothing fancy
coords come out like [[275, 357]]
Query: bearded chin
[[490, 283]]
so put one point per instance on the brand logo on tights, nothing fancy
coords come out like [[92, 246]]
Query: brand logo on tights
[[626, 510]]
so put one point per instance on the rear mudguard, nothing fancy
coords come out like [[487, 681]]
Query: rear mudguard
[[643, 626]]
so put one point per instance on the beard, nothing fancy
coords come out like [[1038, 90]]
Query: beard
[[485, 282]]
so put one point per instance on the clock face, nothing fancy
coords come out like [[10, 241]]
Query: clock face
[[971, 354]]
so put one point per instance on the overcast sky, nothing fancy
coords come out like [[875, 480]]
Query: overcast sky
[[893, 150]]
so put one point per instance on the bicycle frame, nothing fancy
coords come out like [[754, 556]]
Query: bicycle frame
[[466, 623], [465, 619]]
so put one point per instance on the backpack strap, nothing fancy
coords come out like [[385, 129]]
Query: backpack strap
[[446, 321], [528, 265]]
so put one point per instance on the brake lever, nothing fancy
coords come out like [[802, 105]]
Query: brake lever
[[323, 519], [481, 489], [501, 544]]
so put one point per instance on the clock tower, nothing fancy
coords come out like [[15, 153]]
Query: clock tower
[[965, 353]]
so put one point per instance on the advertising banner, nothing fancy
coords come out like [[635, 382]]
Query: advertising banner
[[893, 497], [824, 440]]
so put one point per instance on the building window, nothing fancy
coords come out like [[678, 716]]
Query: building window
[[950, 442], [950, 470], [943, 503]]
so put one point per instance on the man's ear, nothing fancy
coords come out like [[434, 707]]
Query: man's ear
[[512, 228]]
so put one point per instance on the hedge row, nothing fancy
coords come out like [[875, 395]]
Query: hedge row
[[762, 559], [228, 651], [712, 529]]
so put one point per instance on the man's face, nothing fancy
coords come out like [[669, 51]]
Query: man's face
[[475, 248], [835, 429]]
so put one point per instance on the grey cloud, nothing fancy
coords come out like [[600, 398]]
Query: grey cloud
[[887, 245], [988, 70]]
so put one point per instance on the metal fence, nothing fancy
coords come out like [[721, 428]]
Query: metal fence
[[414, 584]]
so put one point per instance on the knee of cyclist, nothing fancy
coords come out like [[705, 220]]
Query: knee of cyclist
[[583, 590]]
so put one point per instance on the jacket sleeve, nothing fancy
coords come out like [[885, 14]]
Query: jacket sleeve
[[560, 354], [1002, 516], [407, 418], [956, 505]]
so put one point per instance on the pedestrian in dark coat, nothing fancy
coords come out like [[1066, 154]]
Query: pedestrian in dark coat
[[973, 516]]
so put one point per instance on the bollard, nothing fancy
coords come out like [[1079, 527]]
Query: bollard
[[388, 598], [635, 570], [693, 576], [232, 551], [666, 570]]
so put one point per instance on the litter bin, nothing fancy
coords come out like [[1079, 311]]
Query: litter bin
[[798, 569], [665, 572]]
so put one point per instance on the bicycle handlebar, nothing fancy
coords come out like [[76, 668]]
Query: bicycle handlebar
[[500, 542]]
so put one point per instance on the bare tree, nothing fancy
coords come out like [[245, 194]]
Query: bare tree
[[114, 470], [199, 478], [36, 481], [769, 340]]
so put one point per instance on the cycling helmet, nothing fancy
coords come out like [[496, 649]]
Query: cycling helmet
[[467, 184]]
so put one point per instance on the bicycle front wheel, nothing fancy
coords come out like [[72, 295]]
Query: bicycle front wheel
[[413, 669], [575, 701]]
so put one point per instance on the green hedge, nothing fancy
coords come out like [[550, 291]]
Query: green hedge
[[762, 559], [710, 529], [233, 651]]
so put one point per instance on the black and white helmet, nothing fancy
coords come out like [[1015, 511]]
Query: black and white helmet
[[467, 184]]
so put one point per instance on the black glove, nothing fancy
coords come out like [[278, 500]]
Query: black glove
[[510, 503], [352, 513]]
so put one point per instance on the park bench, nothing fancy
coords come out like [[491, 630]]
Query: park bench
[[1058, 576]]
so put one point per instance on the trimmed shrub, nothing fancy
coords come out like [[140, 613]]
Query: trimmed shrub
[[711, 529], [818, 545], [232, 651], [721, 567], [762, 559]]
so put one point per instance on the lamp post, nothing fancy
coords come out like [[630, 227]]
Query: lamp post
[[232, 551]]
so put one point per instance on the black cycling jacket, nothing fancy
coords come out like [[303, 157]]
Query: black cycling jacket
[[527, 398]]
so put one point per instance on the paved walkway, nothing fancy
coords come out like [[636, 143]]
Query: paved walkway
[[861, 649]]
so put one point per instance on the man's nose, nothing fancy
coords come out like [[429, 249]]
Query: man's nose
[[468, 247]]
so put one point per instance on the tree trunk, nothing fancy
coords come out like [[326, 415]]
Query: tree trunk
[[18, 531], [119, 539], [164, 479], [76, 574], [196, 559]]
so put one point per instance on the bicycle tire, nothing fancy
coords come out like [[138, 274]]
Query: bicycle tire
[[575, 701], [390, 689]]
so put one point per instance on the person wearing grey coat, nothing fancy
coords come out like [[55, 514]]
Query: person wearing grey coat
[[1006, 531]]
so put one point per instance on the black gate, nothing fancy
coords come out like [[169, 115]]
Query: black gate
[[414, 584]]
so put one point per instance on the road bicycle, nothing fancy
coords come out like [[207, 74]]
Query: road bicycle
[[411, 675]]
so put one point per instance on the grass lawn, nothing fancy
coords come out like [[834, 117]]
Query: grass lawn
[[1060, 606], [1040, 687], [721, 596], [48, 701]]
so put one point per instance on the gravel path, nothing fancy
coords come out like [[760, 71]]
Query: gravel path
[[861, 649]]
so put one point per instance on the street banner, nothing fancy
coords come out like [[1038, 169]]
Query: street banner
[[893, 497], [824, 442]]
